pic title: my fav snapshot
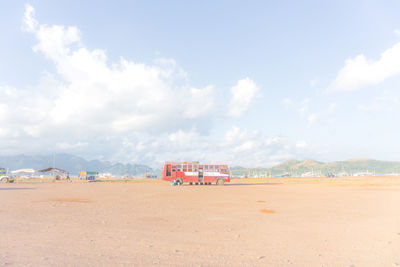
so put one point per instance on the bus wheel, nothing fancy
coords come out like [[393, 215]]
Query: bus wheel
[[196, 183], [191, 183], [220, 182], [179, 181]]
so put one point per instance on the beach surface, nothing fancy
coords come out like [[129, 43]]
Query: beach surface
[[341, 221]]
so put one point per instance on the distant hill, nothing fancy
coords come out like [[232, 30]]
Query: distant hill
[[297, 168], [72, 164]]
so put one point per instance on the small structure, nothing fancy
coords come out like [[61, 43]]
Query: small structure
[[57, 173], [148, 174], [88, 175], [23, 173]]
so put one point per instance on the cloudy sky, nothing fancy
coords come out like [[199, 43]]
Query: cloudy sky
[[249, 83]]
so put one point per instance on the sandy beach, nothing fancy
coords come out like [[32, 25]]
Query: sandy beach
[[350, 221]]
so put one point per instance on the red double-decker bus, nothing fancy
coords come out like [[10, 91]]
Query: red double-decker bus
[[195, 173]]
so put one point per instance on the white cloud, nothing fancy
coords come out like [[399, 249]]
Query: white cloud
[[257, 149], [361, 72], [29, 23], [246, 146], [243, 93], [67, 146], [92, 100], [313, 82], [287, 102], [272, 140], [301, 144], [363, 107], [237, 147], [304, 106], [183, 138], [387, 102], [140, 147], [125, 111], [332, 106], [252, 148], [91, 93], [396, 32], [310, 111], [312, 118]]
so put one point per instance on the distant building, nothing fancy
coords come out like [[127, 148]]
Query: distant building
[[88, 175]]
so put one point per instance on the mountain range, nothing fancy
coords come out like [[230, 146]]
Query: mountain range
[[347, 167], [71, 164]]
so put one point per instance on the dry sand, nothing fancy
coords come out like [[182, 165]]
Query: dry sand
[[252, 222]]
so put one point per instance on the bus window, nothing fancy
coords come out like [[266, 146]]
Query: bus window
[[168, 170], [185, 167], [174, 168]]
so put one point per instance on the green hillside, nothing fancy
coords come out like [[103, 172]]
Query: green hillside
[[347, 167]]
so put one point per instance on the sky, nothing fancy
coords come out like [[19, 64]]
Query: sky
[[249, 83]]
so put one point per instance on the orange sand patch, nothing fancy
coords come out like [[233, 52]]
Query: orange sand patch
[[73, 200], [267, 211]]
